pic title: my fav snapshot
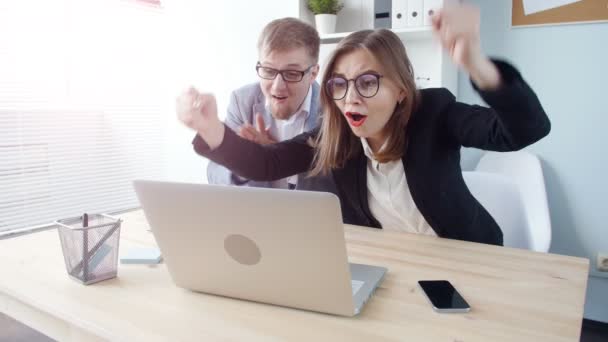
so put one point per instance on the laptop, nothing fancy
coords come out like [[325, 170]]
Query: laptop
[[273, 246]]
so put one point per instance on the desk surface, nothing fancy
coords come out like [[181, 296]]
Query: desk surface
[[515, 295]]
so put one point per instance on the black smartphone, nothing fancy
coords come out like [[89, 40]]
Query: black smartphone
[[443, 296]]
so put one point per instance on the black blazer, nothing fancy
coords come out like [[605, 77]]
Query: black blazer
[[437, 130]]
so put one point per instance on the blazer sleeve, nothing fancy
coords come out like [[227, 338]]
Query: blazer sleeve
[[260, 162], [218, 174], [515, 120]]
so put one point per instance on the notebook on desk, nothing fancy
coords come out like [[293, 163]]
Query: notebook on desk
[[267, 245]]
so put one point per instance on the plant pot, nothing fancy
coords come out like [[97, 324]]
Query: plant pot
[[326, 23]]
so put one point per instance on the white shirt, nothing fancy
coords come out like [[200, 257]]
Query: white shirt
[[389, 197], [287, 129]]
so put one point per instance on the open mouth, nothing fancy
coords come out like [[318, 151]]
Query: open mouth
[[355, 119], [279, 98]]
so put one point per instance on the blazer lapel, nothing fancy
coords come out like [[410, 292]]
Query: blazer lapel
[[260, 108], [352, 181], [361, 169], [313, 119]]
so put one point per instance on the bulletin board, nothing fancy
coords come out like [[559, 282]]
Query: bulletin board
[[552, 12]]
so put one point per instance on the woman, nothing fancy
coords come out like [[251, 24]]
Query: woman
[[393, 151]]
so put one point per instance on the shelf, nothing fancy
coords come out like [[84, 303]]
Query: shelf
[[414, 33]]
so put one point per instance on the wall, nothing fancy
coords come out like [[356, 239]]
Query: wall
[[567, 66], [215, 46]]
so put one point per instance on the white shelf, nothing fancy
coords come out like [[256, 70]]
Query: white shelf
[[413, 33]]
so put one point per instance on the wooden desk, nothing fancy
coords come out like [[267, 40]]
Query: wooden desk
[[515, 295]]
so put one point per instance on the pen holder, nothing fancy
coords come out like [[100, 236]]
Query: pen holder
[[90, 247]]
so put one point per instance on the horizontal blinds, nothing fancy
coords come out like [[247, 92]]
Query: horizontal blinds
[[83, 106]]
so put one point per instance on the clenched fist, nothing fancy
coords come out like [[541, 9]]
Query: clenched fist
[[457, 27], [198, 111]]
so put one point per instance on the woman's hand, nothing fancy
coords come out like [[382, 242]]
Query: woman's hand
[[457, 27], [198, 111]]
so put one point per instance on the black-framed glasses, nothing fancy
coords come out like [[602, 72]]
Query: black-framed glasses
[[367, 86], [287, 75]]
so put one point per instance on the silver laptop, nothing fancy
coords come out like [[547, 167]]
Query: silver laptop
[[274, 246]]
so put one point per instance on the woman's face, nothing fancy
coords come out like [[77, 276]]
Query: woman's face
[[369, 107]]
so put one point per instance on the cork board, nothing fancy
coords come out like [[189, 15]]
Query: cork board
[[569, 12]]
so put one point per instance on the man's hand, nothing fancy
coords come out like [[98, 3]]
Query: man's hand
[[198, 111], [260, 134]]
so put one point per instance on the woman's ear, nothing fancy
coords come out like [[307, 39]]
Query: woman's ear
[[402, 96]]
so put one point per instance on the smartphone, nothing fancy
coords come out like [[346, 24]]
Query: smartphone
[[443, 296]]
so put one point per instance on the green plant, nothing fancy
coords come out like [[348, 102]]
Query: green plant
[[324, 6]]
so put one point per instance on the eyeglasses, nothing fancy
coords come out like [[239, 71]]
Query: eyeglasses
[[367, 86], [287, 75]]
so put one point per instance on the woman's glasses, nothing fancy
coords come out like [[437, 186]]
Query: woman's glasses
[[367, 86]]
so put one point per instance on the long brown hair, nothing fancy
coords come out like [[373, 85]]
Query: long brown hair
[[336, 143]]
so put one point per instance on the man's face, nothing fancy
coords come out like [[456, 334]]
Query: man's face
[[285, 97]]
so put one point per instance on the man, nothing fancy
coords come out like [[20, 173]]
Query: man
[[283, 104]]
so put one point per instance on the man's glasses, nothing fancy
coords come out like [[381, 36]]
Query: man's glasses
[[287, 75], [367, 86]]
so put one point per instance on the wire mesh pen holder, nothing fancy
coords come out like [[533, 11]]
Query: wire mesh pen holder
[[90, 246]]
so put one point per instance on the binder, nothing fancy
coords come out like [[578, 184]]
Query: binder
[[430, 7], [414, 10], [399, 14], [382, 14]]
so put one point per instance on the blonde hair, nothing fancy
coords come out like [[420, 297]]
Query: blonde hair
[[336, 143], [287, 34]]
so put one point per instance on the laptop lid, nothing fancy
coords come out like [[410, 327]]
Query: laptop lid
[[268, 245]]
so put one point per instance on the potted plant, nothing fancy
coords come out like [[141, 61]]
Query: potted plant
[[325, 14]]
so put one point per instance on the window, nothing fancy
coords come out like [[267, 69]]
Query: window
[[83, 106]]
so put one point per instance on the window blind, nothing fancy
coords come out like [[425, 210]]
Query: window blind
[[83, 106]]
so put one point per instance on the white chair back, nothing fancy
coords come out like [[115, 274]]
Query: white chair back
[[501, 198], [524, 169]]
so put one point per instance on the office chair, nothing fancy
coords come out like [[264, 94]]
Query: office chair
[[511, 186]]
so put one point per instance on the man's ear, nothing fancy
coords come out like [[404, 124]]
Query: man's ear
[[314, 72]]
